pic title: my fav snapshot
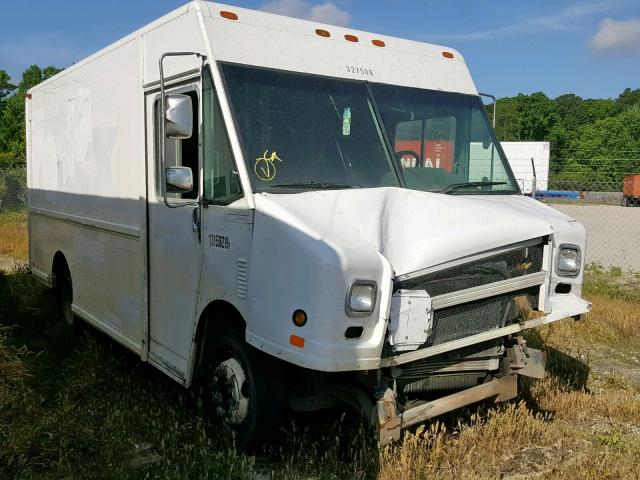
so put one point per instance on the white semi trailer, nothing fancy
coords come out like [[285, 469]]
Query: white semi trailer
[[287, 214]]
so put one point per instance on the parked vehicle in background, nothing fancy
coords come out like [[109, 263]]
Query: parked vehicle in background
[[631, 191], [230, 194]]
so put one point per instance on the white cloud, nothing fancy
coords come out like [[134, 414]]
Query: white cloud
[[567, 19], [327, 12], [617, 34]]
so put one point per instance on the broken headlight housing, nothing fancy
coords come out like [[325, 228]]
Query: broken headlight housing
[[361, 299], [568, 261]]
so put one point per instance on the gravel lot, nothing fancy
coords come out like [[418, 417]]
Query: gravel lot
[[613, 233]]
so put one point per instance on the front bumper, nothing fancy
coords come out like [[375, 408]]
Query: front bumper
[[390, 419]]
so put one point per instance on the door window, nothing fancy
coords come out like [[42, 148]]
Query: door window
[[178, 153], [221, 181]]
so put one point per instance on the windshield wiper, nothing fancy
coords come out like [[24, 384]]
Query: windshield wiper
[[456, 186], [315, 185]]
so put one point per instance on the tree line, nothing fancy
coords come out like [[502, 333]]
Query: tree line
[[590, 138]]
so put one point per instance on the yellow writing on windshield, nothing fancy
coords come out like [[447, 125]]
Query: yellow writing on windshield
[[265, 168]]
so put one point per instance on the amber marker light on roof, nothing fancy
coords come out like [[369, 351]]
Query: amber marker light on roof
[[351, 38], [228, 15], [322, 33], [378, 43], [447, 54]]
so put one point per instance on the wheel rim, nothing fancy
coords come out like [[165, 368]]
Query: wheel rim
[[233, 390]]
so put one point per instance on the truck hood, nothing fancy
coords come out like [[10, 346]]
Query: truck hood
[[414, 230]]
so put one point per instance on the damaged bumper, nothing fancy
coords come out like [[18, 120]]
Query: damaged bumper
[[391, 418]]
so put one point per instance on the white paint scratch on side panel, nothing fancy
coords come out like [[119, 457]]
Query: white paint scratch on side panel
[[79, 123]]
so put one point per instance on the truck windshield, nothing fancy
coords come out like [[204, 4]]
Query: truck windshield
[[443, 141], [307, 132]]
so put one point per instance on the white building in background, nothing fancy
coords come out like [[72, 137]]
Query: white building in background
[[519, 155]]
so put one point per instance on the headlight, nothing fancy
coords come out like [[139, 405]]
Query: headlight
[[361, 299], [568, 263]]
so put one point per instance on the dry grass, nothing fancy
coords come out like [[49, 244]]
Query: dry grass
[[83, 408], [564, 430], [13, 235], [612, 321]]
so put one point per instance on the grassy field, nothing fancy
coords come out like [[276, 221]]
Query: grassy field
[[74, 405], [13, 235]]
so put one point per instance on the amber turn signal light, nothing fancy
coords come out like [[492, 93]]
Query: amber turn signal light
[[296, 341], [299, 318]]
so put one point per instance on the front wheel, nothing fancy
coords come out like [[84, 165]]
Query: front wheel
[[243, 386]]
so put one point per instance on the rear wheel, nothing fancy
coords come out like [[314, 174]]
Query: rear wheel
[[246, 388], [64, 293]]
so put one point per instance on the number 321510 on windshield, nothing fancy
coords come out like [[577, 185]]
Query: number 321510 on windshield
[[359, 70]]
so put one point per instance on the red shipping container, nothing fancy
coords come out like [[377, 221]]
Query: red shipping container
[[437, 153], [631, 187]]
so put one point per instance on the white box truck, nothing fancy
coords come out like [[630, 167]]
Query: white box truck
[[285, 214]]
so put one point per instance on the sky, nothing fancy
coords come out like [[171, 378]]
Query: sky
[[589, 47]]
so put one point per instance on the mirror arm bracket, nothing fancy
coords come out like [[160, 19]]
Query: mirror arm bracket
[[492, 97]]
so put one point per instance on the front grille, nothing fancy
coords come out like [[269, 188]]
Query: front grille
[[479, 316], [512, 264], [468, 319]]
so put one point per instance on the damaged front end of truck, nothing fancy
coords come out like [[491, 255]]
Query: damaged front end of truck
[[455, 335], [431, 339]]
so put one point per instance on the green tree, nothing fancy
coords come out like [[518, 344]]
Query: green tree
[[525, 117], [629, 98], [608, 148], [6, 87]]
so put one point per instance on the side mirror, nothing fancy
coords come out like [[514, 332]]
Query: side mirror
[[178, 116], [178, 179]]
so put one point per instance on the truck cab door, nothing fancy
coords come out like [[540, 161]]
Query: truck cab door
[[227, 220], [174, 250]]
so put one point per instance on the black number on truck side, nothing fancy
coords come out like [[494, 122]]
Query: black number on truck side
[[360, 70], [219, 241]]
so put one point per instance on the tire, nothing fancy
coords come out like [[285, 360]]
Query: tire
[[64, 294], [246, 388]]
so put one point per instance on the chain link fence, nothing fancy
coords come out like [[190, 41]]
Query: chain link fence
[[593, 194], [604, 195], [13, 189], [13, 217]]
